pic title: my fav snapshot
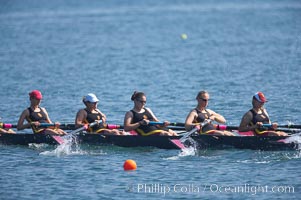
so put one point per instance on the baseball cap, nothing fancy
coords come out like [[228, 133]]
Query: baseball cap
[[91, 98], [259, 96], [36, 94]]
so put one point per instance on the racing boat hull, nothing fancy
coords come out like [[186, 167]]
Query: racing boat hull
[[162, 142]]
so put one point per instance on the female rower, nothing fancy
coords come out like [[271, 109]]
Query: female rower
[[254, 119], [200, 114], [35, 115], [91, 114], [139, 117]]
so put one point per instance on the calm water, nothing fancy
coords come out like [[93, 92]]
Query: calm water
[[67, 49]]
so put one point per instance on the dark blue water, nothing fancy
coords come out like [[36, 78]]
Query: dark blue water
[[67, 49]]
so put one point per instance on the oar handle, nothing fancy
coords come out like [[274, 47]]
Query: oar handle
[[7, 126], [225, 127], [114, 126]]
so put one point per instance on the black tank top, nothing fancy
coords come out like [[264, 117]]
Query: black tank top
[[37, 116], [92, 117], [201, 118], [137, 117], [262, 117]]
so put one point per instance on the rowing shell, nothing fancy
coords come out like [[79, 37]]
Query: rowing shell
[[162, 142]]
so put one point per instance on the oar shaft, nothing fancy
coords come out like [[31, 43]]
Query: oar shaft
[[170, 124], [282, 126], [186, 135], [43, 125], [174, 126], [287, 130], [289, 126], [196, 128]]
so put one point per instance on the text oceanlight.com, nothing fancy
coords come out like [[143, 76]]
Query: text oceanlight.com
[[212, 188]]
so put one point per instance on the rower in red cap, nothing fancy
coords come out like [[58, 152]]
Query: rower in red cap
[[35, 115], [254, 119]]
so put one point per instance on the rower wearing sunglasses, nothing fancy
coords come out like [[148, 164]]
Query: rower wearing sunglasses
[[139, 117], [201, 113]]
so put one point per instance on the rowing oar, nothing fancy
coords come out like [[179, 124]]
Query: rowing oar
[[288, 130], [173, 125], [43, 125], [180, 142], [225, 127], [181, 126], [170, 124], [217, 126], [71, 134], [282, 126]]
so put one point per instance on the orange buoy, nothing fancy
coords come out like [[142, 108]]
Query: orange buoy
[[129, 165]]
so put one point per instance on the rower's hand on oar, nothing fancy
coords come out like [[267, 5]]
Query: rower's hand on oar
[[86, 126], [198, 127], [103, 120], [274, 126], [166, 123], [211, 118], [57, 125], [201, 125], [144, 122], [98, 122], [36, 124], [258, 125]]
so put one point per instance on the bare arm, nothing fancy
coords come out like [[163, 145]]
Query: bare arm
[[104, 117], [166, 123], [47, 116], [265, 112], [245, 123], [274, 124], [80, 118], [153, 115], [128, 126], [216, 117], [23, 116], [189, 120]]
